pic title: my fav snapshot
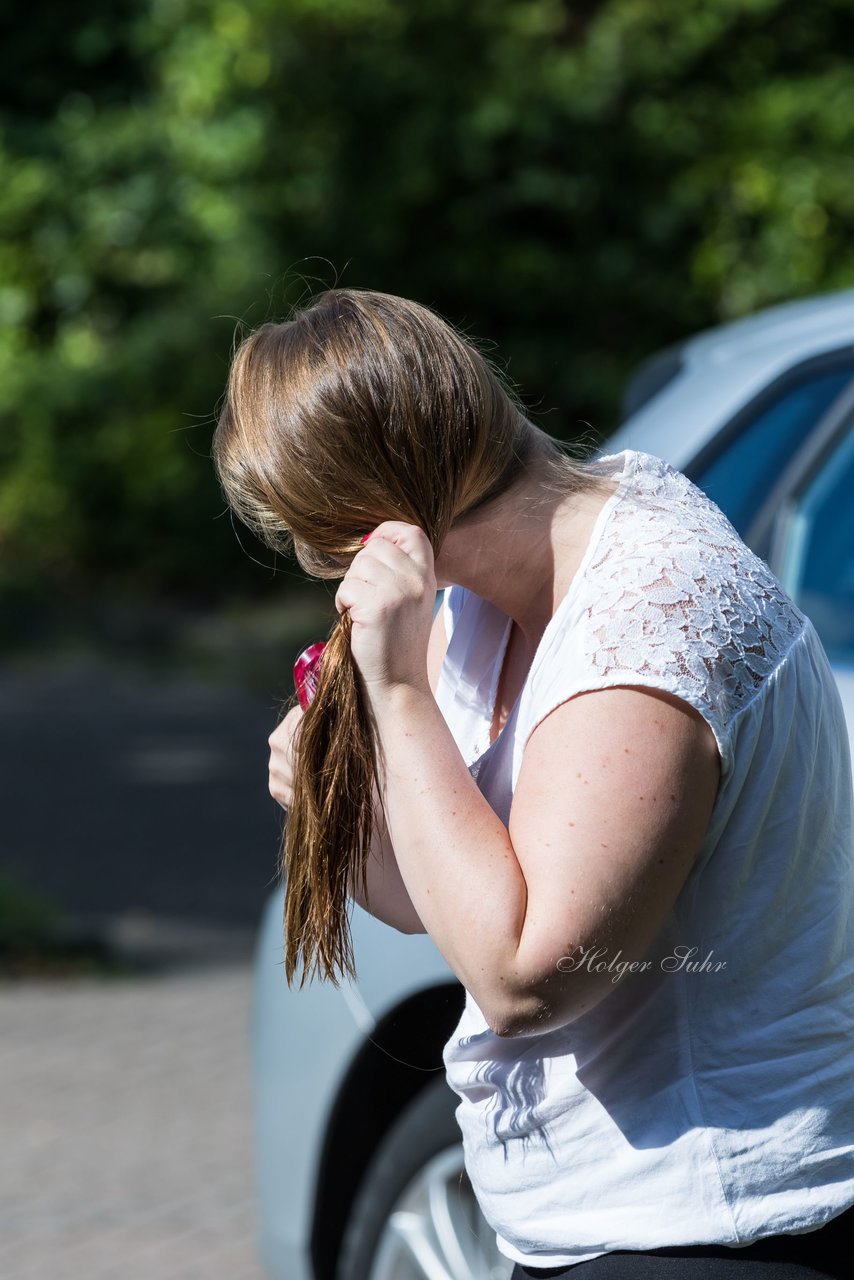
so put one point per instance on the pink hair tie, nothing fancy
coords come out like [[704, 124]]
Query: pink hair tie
[[307, 672]]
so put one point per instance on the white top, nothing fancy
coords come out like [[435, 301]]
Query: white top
[[704, 1104]]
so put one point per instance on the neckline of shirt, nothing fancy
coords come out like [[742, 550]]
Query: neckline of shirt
[[482, 746]]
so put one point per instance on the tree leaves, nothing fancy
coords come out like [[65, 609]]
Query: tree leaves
[[577, 184]]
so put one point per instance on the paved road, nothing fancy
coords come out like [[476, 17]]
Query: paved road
[[123, 792], [125, 1114], [138, 804]]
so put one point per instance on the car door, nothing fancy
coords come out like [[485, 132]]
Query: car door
[[811, 539], [750, 465]]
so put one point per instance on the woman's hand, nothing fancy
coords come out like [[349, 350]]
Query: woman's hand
[[283, 748], [390, 591]]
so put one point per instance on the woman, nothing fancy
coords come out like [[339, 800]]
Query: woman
[[611, 780]]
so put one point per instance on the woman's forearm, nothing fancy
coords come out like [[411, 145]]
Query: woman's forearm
[[453, 852]]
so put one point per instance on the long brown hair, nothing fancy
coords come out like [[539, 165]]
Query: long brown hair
[[362, 407]]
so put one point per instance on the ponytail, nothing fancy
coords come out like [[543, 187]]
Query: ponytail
[[327, 836]]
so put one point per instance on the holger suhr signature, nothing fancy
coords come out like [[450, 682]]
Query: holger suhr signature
[[595, 960]]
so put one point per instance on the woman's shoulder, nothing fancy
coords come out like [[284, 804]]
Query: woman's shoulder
[[670, 598], [670, 565]]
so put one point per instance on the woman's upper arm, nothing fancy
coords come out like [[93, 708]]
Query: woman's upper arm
[[613, 799]]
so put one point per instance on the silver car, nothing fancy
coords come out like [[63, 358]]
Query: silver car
[[359, 1162]]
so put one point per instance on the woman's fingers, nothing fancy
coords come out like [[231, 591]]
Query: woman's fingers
[[389, 591], [409, 538], [283, 746], [398, 558], [367, 577]]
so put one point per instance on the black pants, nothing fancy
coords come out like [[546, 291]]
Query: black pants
[[825, 1252]]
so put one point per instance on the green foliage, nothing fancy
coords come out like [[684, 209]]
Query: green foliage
[[28, 926], [35, 942], [578, 183], [23, 914]]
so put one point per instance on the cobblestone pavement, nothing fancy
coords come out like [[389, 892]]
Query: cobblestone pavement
[[125, 1121]]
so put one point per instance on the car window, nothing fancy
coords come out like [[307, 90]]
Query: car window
[[816, 563], [740, 477]]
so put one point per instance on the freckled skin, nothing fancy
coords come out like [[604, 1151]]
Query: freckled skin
[[519, 946]]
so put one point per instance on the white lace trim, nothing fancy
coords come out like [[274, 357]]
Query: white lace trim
[[670, 568]]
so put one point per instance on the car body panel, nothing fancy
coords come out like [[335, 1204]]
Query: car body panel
[[845, 683], [723, 370], [303, 1042]]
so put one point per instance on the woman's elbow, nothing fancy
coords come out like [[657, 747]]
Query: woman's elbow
[[533, 1013], [509, 1022]]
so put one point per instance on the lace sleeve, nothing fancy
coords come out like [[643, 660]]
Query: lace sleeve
[[674, 600]]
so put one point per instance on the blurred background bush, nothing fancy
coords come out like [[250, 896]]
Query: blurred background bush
[[579, 183]]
